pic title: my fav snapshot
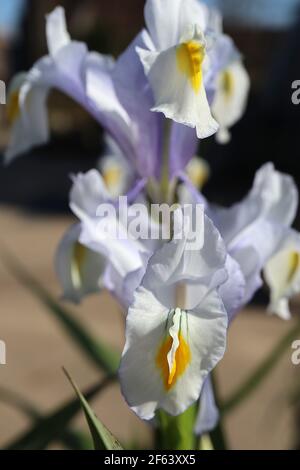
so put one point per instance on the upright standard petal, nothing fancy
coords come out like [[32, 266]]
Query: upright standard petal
[[133, 91], [176, 77], [167, 20], [56, 31]]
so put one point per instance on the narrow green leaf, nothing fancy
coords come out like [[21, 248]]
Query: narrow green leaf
[[76, 440], [71, 439], [13, 399], [52, 426], [102, 437], [103, 356], [261, 373]]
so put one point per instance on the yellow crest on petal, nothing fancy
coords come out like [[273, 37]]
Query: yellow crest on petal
[[227, 83], [79, 254], [112, 176], [13, 108], [190, 56], [180, 363], [294, 265]]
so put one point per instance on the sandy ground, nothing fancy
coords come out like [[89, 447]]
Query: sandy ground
[[37, 349]]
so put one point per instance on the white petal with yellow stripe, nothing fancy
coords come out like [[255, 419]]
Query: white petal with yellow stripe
[[282, 274], [27, 116], [170, 349], [176, 78], [79, 269]]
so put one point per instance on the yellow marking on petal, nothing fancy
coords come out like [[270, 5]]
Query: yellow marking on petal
[[112, 177], [227, 83], [198, 172], [190, 56], [79, 254], [181, 361], [13, 107], [294, 265]]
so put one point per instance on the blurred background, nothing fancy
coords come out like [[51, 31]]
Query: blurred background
[[34, 215]]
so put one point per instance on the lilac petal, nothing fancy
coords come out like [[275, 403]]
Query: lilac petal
[[183, 147], [208, 415], [136, 190], [135, 95]]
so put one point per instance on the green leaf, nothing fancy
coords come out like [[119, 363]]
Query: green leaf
[[76, 440], [103, 356], [71, 439], [52, 426], [13, 399], [260, 374], [102, 437]]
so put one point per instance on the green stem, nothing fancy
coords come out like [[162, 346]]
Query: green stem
[[177, 432], [165, 183]]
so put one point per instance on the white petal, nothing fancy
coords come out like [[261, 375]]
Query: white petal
[[56, 31], [29, 118], [273, 198], [144, 372], [199, 270], [282, 274], [233, 290], [176, 78], [167, 20], [108, 237], [79, 270], [115, 169], [162, 20], [88, 192], [231, 98]]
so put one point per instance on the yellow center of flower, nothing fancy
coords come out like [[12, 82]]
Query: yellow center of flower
[[79, 254], [227, 82], [190, 56], [180, 363], [112, 177], [13, 108], [294, 265]]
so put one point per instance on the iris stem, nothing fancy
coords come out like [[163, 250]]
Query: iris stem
[[177, 432]]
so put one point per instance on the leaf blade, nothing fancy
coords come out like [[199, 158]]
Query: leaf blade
[[102, 437], [52, 426], [100, 354], [260, 373]]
